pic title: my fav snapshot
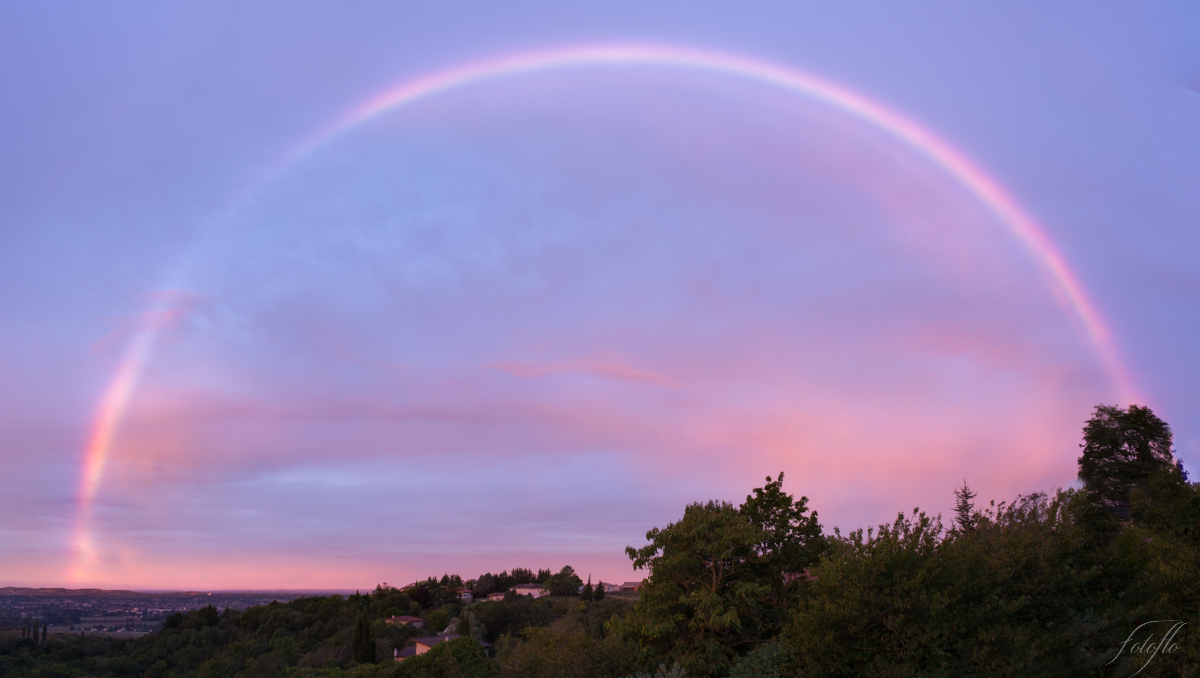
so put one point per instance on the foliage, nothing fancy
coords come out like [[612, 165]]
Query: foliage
[[1163, 541], [562, 650], [769, 660], [509, 617], [488, 582], [1030, 588], [791, 541], [721, 579], [964, 508], [470, 626], [1122, 448], [699, 602], [564, 583], [676, 671], [459, 658], [363, 645]]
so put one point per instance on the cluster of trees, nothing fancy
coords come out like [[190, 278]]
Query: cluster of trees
[[589, 592], [1059, 584], [1042, 585], [29, 630], [491, 583]]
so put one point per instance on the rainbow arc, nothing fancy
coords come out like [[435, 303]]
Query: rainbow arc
[[990, 194]]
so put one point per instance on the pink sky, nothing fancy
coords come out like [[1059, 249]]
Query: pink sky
[[520, 322]]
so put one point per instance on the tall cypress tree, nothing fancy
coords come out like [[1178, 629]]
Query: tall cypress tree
[[363, 643]]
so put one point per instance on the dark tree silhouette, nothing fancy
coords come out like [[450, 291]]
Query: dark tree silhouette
[[964, 508], [1121, 448], [363, 644]]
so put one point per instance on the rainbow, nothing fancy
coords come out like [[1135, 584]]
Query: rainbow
[[1064, 283]]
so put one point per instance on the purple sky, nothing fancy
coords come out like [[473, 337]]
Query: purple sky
[[519, 323]]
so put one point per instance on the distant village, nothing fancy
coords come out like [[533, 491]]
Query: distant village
[[131, 614], [118, 614]]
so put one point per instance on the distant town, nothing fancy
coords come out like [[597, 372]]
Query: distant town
[[122, 614], [130, 614]]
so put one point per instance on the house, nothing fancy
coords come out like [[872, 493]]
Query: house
[[631, 586], [498, 595], [532, 590], [609, 588], [402, 654], [466, 596], [421, 646], [405, 620]]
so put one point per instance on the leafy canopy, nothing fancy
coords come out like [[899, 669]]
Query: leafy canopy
[[1122, 448]]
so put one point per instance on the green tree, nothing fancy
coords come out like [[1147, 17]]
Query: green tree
[[586, 594], [437, 620], [769, 660], [1030, 590], [1122, 448], [565, 583], [964, 508], [458, 658], [363, 643], [562, 650], [598, 592], [1164, 539], [791, 541], [701, 604], [470, 626]]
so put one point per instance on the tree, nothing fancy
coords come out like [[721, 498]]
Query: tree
[[563, 650], [470, 627], [485, 585], [1030, 591], [964, 508], [1122, 448], [565, 583], [701, 604], [722, 577], [363, 643], [586, 594], [791, 542], [598, 592]]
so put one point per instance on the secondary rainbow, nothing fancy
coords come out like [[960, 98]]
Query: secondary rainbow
[[988, 191]]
